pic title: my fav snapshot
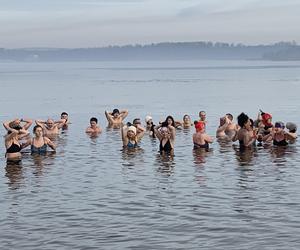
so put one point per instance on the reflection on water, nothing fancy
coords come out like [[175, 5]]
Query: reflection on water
[[93, 194], [14, 174]]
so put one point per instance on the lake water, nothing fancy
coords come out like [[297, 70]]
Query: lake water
[[92, 195]]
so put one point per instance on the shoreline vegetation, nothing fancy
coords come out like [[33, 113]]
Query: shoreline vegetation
[[281, 51]]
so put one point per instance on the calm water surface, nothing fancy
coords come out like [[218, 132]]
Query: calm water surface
[[93, 195]]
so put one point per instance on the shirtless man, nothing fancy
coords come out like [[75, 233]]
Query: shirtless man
[[227, 128], [64, 116], [139, 128], [116, 117], [93, 129], [50, 127]]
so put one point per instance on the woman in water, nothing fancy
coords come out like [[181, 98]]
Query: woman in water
[[278, 135], [11, 140], [166, 136], [39, 142], [245, 135], [150, 126], [130, 137], [200, 138]]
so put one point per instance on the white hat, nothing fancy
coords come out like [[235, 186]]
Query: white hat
[[148, 118], [132, 128]]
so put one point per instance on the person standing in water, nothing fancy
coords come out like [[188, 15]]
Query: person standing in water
[[200, 138], [116, 117], [39, 142], [130, 137], [50, 127], [93, 129], [166, 135], [245, 135]]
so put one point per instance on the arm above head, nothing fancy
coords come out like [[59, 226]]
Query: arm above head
[[123, 113], [172, 131], [28, 123], [108, 116], [124, 134], [156, 132], [40, 123]]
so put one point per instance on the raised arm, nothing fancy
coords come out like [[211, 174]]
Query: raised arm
[[123, 114], [108, 117], [124, 135], [156, 132], [60, 123], [172, 131], [28, 123], [141, 131], [40, 123], [50, 143]]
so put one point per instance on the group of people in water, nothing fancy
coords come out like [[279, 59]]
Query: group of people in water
[[246, 131]]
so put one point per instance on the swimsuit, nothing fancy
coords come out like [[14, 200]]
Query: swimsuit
[[166, 148], [280, 143], [131, 145], [197, 146], [14, 148], [38, 150]]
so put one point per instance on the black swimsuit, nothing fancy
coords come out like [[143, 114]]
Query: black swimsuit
[[14, 148], [205, 145], [166, 148], [280, 143]]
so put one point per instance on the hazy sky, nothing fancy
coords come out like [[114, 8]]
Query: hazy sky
[[94, 23]]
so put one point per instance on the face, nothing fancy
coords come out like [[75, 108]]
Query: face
[[65, 117], [136, 123], [165, 133], [186, 119], [38, 132], [130, 134], [202, 115], [278, 130], [116, 115], [170, 122], [50, 123], [149, 122], [93, 124]]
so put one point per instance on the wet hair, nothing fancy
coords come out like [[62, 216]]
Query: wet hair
[[230, 116], [242, 119], [165, 123], [18, 127], [94, 119], [115, 111], [63, 113], [36, 127], [202, 111]]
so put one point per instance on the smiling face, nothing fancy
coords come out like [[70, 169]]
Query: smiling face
[[130, 134]]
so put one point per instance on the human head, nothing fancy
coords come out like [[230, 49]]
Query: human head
[[93, 121], [16, 124], [229, 116], [186, 119], [279, 126], [266, 119], [200, 126], [164, 132], [243, 119], [148, 119], [292, 127], [50, 123], [131, 132], [64, 115], [136, 122], [115, 113], [202, 115], [169, 121], [38, 131]]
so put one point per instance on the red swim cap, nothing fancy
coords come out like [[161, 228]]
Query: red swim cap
[[265, 117], [199, 126]]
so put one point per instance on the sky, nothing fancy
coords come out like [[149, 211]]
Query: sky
[[99, 23]]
